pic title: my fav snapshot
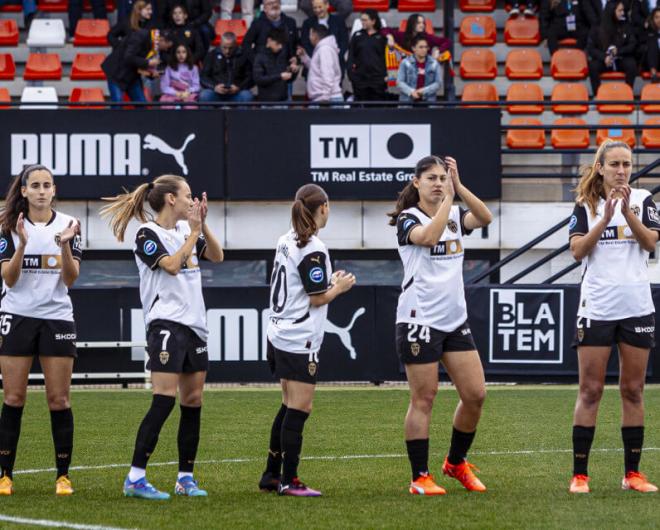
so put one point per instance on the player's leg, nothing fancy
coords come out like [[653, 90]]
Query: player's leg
[[271, 477], [467, 374]]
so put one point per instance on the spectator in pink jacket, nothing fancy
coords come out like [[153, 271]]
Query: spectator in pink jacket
[[180, 83], [324, 77]]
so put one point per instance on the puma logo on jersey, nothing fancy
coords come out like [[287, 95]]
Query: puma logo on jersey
[[344, 333], [154, 143], [315, 259], [447, 248]]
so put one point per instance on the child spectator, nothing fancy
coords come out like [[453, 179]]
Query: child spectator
[[186, 34], [180, 82], [420, 75]]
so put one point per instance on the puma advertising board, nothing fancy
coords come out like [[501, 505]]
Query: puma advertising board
[[94, 153]]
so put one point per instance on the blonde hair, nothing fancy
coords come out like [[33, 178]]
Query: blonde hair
[[129, 205], [590, 188]]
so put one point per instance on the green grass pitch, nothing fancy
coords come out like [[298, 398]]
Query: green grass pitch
[[353, 451]]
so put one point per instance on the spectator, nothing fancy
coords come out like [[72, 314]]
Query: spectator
[[325, 74], [141, 18], [563, 19], [531, 7], [336, 25], [180, 82], [342, 8], [29, 10], [416, 25], [135, 56], [186, 34], [199, 14], [593, 11], [124, 9], [366, 59], [247, 10], [227, 73], [420, 75], [653, 44], [272, 17], [611, 46], [75, 13], [272, 70]]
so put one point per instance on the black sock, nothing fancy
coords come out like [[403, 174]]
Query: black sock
[[147, 436], [10, 430], [61, 422], [188, 437], [418, 454], [291, 442], [460, 445], [582, 438], [633, 440], [274, 462]]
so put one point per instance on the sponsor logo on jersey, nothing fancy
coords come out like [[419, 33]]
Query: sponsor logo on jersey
[[407, 224], [613, 233], [573, 222], [45, 261], [150, 247], [3, 245], [447, 248], [316, 275], [164, 357], [653, 214]]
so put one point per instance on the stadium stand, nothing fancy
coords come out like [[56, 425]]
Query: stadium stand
[[87, 66], [569, 63], [567, 92], [43, 66], [570, 138], [36, 94], [478, 64], [524, 92], [525, 138], [46, 33], [522, 31], [477, 30], [8, 33], [524, 64], [479, 92], [7, 66], [613, 92], [91, 32], [613, 131]]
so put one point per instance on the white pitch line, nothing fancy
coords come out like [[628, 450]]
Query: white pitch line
[[329, 457], [55, 524]]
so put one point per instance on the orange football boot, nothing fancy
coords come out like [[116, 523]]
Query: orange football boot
[[464, 474], [425, 485], [579, 484], [634, 480]]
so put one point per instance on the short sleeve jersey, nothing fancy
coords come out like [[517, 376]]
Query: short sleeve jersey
[[165, 296], [432, 290], [40, 291], [295, 326], [615, 283]]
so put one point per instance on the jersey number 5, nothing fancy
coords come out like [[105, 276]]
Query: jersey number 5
[[5, 324], [424, 333], [278, 288]]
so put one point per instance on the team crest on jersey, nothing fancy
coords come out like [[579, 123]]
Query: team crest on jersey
[[164, 357], [150, 247], [311, 368], [635, 210], [316, 275], [453, 227], [580, 334], [415, 348], [3, 245]]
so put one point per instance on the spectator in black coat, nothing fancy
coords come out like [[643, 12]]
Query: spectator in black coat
[[272, 71], [612, 46], [334, 23], [563, 19], [366, 60], [76, 9], [653, 44], [140, 18], [199, 14], [271, 17], [227, 73], [186, 34]]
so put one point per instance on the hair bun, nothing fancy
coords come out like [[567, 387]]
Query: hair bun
[[150, 186]]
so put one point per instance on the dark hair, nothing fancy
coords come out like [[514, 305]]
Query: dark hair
[[129, 205], [410, 32], [15, 203], [178, 6], [609, 24], [321, 30], [308, 199], [229, 35], [409, 196], [373, 15], [278, 35], [174, 62], [651, 24], [417, 39], [167, 35]]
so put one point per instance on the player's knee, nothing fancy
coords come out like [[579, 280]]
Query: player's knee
[[192, 399], [476, 399], [15, 399], [632, 393], [423, 400], [58, 402], [590, 394]]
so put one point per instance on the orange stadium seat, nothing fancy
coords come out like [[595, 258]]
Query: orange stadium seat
[[8, 32], [91, 32], [479, 92], [11, 8], [524, 64], [53, 6], [614, 132], [650, 92], [41, 66], [567, 43], [651, 137], [109, 5], [522, 31], [569, 63], [428, 25], [86, 95], [570, 138], [87, 66], [378, 5], [477, 30], [613, 76], [7, 66], [615, 91], [477, 5], [236, 26], [413, 6], [525, 138], [478, 64], [524, 92], [570, 92], [4, 97]]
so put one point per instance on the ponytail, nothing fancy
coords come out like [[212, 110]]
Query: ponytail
[[308, 199], [129, 205], [15, 203]]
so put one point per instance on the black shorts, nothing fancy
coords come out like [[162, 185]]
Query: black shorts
[[636, 331], [417, 344], [175, 348], [22, 336], [301, 367]]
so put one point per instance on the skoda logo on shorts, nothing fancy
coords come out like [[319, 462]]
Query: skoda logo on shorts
[[3, 245], [316, 275], [150, 247]]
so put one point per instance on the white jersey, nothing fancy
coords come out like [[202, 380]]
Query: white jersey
[[432, 290], [295, 326], [615, 283], [164, 296], [40, 291]]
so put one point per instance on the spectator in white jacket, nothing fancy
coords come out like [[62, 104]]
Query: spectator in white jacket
[[324, 77]]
